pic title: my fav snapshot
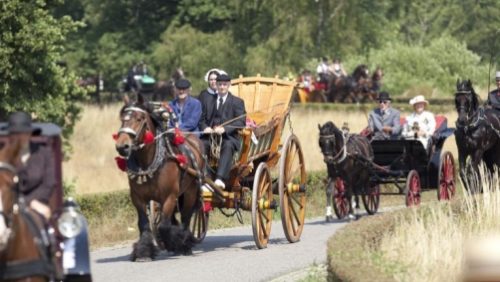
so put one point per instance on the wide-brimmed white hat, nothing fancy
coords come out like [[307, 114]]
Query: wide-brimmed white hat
[[497, 75], [418, 99]]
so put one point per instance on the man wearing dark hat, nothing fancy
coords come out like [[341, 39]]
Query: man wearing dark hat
[[224, 116], [186, 108], [493, 100], [36, 167], [384, 121]]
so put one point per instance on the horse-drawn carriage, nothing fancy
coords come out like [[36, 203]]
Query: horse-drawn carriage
[[62, 252], [253, 182], [408, 165]]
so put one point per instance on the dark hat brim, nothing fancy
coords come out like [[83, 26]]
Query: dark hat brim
[[32, 130]]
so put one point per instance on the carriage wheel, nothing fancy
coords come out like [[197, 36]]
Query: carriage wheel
[[154, 216], [413, 189], [339, 198], [199, 224], [262, 206], [371, 200], [292, 185], [447, 188]]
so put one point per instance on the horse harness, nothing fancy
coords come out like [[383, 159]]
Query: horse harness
[[35, 267], [476, 122], [342, 154]]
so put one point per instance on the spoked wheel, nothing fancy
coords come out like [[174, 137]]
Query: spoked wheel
[[413, 189], [447, 188], [262, 206], [371, 199], [199, 224], [292, 188], [340, 200], [154, 216]]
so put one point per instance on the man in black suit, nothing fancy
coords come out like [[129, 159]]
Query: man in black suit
[[224, 116]]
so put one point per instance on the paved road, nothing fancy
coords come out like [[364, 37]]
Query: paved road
[[224, 255]]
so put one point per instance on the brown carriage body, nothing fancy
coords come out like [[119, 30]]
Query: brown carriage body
[[267, 104]]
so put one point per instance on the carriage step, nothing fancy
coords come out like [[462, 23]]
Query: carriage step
[[296, 188]]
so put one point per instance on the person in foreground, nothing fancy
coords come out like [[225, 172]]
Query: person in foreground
[[36, 170], [384, 122], [224, 116], [420, 124]]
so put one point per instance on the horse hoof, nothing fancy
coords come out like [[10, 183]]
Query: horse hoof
[[351, 217], [146, 259], [329, 218]]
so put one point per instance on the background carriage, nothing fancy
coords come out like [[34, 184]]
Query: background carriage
[[264, 166], [407, 165], [71, 236]]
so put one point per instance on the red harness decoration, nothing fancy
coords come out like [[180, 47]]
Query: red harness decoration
[[181, 159], [148, 138], [121, 163], [178, 137]]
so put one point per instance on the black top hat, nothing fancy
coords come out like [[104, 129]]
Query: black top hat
[[384, 96], [223, 77], [182, 84], [20, 122]]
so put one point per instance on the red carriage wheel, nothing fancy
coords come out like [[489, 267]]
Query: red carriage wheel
[[339, 197], [413, 189], [371, 200], [446, 181]]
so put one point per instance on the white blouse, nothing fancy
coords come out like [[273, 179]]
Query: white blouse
[[426, 123]]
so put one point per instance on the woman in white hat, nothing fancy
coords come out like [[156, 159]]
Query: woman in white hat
[[421, 124]]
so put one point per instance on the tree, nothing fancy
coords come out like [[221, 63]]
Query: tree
[[32, 76]]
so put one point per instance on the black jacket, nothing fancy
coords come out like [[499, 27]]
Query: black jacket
[[232, 109], [494, 99], [37, 178]]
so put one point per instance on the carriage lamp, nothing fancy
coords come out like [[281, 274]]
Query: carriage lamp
[[70, 223]]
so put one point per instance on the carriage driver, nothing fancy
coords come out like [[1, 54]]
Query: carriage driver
[[493, 100], [36, 168], [223, 116], [384, 121], [186, 108]]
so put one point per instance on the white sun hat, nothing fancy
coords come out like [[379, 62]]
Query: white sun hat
[[418, 99], [497, 76]]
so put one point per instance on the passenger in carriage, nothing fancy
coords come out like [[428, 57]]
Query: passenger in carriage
[[322, 70], [384, 122], [223, 116], [493, 100], [186, 108], [36, 168], [337, 69], [421, 124]]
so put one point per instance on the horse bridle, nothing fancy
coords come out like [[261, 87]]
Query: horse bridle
[[137, 144], [338, 158]]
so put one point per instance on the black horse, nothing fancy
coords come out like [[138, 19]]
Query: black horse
[[347, 157], [477, 134]]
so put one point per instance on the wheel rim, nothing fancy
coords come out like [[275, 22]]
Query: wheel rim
[[372, 199], [340, 201], [199, 225], [261, 217], [292, 203], [413, 189], [447, 177]]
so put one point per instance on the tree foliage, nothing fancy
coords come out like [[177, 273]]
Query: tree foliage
[[268, 36], [32, 76]]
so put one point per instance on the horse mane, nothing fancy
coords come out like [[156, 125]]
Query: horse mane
[[360, 72], [329, 128]]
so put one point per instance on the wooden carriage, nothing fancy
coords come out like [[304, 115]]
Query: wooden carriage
[[254, 181]]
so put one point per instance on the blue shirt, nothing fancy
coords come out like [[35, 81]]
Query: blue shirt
[[189, 115]]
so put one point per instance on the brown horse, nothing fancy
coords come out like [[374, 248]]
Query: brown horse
[[24, 254], [155, 172], [358, 87]]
